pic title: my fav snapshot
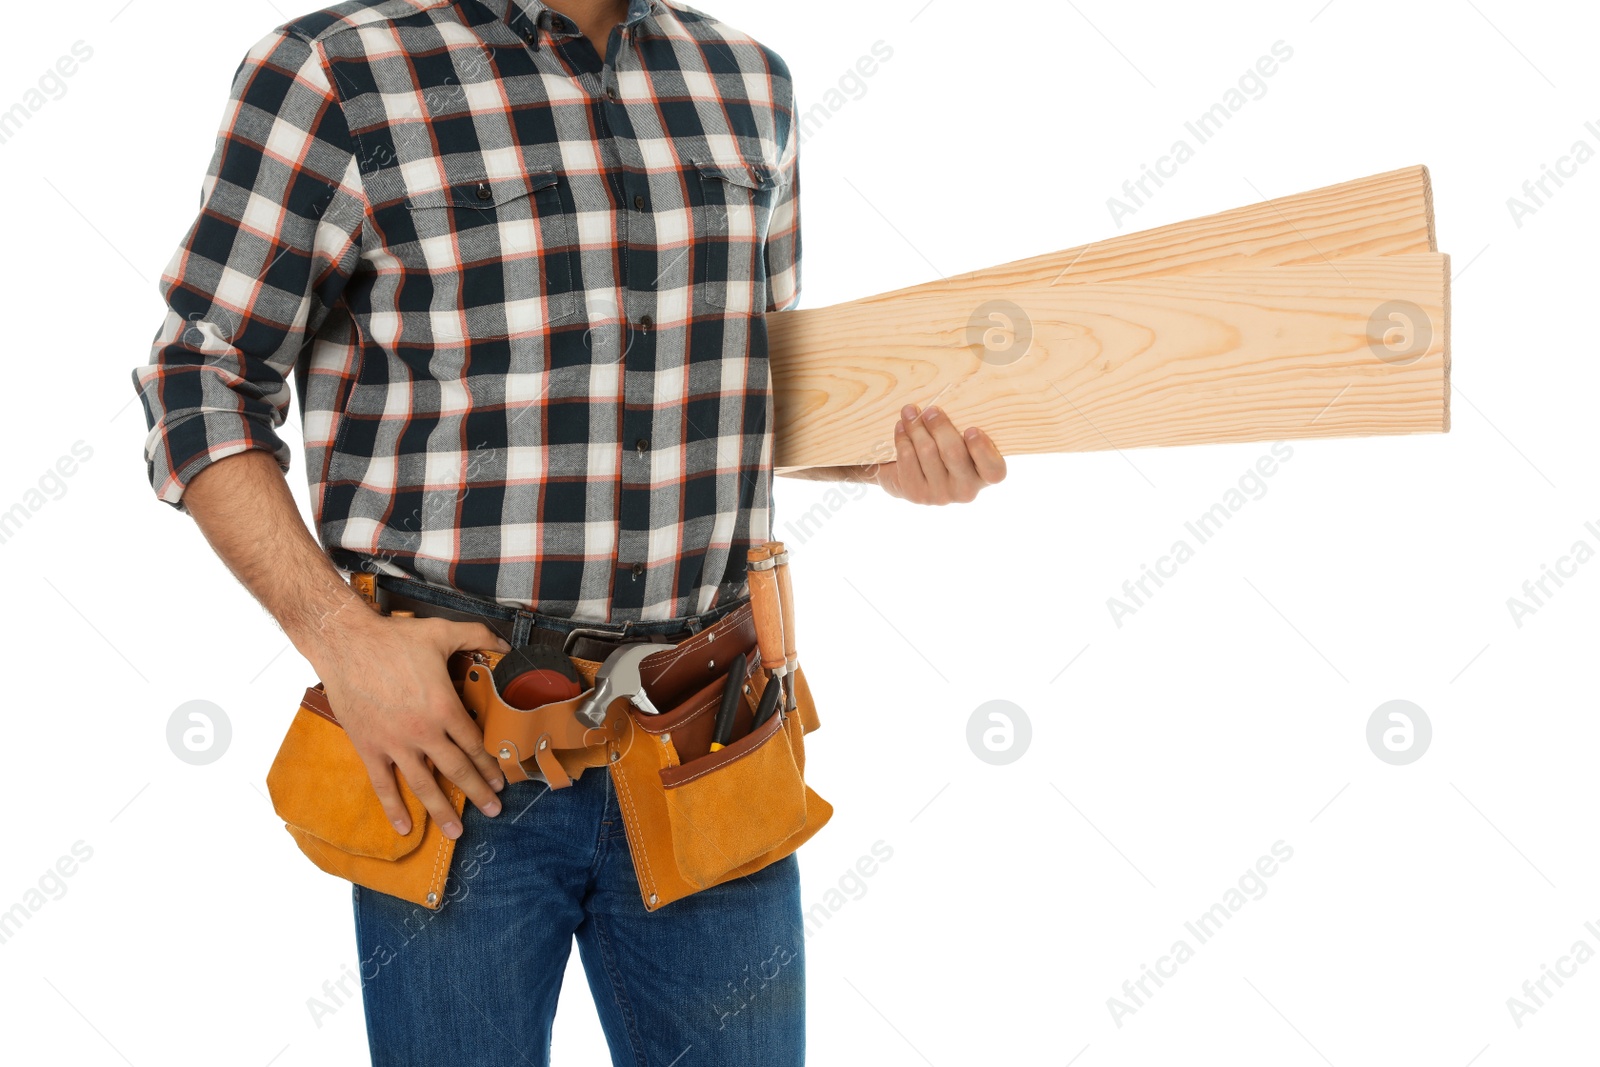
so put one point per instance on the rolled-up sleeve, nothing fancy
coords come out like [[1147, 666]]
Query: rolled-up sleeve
[[783, 233], [276, 239]]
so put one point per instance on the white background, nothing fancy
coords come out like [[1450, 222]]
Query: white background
[[1226, 715]]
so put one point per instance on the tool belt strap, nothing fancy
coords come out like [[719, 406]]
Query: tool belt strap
[[579, 640]]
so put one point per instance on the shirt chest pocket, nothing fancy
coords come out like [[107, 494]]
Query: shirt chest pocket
[[734, 210], [497, 254]]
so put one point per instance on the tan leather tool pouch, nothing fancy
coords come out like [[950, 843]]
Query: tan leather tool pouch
[[320, 789], [697, 818], [694, 818]]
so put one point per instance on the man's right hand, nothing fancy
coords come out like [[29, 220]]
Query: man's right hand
[[389, 685], [387, 678]]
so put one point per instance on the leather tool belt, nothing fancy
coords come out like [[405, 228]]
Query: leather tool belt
[[707, 765]]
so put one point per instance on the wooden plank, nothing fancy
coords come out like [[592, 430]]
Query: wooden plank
[[1388, 214], [1384, 215], [1258, 353]]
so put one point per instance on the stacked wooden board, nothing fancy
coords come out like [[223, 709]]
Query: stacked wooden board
[[1319, 315]]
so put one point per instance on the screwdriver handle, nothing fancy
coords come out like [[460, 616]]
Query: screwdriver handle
[[767, 705], [732, 689]]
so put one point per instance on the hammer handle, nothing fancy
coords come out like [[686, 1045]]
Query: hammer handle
[[764, 605]]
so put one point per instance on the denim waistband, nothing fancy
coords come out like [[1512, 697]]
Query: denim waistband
[[522, 620]]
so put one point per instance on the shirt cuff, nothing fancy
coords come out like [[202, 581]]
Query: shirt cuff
[[179, 448]]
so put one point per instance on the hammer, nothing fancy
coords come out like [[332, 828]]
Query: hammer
[[618, 678]]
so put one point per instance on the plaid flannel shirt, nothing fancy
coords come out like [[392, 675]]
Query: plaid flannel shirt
[[520, 288]]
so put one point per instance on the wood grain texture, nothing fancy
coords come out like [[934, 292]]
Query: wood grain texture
[[1256, 353], [1384, 215]]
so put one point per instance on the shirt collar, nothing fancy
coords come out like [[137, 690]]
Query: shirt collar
[[535, 10]]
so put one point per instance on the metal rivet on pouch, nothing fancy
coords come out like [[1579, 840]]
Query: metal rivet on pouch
[[433, 898], [615, 756], [543, 745], [711, 665], [653, 898], [505, 753]]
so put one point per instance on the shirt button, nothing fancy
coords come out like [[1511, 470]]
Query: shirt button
[[638, 569], [646, 323], [611, 93], [638, 203], [484, 192], [642, 444]]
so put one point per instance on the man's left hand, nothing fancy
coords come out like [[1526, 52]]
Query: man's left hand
[[937, 464]]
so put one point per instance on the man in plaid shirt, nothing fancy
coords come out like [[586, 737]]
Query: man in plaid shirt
[[516, 261]]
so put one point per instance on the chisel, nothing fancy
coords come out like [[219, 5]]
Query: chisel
[[780, 559], [767, 611]]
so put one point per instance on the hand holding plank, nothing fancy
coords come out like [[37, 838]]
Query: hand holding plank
[[937, 464]]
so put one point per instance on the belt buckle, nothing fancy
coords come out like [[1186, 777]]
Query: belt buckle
[[590, 631]]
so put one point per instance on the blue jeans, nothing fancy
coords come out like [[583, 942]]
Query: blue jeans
[[716, 979]]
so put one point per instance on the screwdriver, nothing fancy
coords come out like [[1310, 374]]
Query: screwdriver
[[722, 728], [769, 701]]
